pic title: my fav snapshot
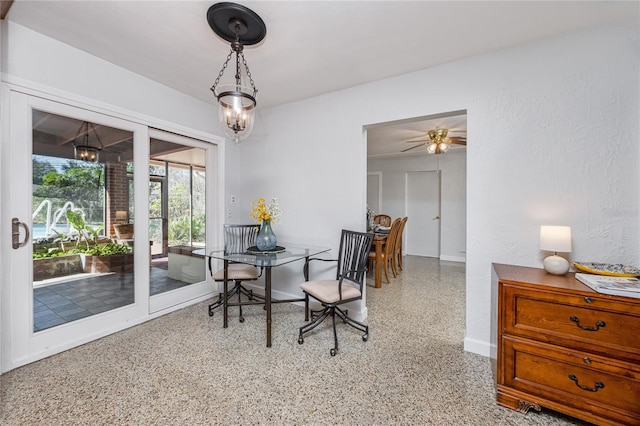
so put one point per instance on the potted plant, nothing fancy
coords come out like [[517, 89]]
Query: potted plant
[[52, 258]]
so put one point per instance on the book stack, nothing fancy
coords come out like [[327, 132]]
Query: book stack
[[617, 286]]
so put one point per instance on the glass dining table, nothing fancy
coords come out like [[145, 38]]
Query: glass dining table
[[287, 253]]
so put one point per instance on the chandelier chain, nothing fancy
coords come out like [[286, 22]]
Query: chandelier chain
[[246, 67], [224, 67]]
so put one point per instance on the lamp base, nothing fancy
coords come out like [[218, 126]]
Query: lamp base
[[556, 265]]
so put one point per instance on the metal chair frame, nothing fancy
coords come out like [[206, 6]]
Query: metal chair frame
[[351, 266], [237, 239]]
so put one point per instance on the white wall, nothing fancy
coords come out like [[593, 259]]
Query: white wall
[[552, 139], [453, 210], [35, 58]]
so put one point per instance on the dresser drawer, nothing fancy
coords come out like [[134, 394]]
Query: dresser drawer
[[587, 382], [608, 326]]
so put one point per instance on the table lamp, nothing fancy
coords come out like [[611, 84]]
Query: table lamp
[[555, 239]]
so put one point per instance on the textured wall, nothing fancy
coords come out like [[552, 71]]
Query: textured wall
[[552, 139]]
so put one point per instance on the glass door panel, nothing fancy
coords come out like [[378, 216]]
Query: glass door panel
[[177, 208], [82, 240], [71, 278]]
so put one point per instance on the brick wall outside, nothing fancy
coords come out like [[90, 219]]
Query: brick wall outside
[[117, 196]]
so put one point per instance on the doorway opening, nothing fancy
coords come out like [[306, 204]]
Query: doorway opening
[[397, 152]]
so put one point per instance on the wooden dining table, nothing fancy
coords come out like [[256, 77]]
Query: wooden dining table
[[378, 243]]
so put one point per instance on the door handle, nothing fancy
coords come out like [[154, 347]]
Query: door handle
[[436, 218], [15, 233]]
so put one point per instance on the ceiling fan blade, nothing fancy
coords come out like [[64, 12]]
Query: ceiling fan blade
[[413, 147], [458, 141], [420, 140]]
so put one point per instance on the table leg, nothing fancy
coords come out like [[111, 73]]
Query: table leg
[[267, 300], [225, 308], [305, 270], [378, 264]]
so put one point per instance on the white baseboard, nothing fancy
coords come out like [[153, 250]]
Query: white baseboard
[[477, 347], [453, 258]]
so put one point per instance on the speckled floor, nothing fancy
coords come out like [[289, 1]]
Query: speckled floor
[[184, 368]]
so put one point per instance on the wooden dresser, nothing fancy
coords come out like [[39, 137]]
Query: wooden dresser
[[560, 345]]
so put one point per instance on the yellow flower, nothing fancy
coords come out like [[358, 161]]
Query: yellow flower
[[261, 211]]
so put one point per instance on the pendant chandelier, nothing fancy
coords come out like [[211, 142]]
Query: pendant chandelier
[[236, 101], [83, 150]]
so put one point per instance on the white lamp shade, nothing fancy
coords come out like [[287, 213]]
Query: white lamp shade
[[555, 238]]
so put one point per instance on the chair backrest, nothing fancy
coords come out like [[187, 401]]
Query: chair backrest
[[398, 243], [353, 255], [390, 243], [238, 238], [382, 219]]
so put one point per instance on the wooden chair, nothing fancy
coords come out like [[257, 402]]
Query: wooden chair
[[389, 249], [382, 220], [396, 259]]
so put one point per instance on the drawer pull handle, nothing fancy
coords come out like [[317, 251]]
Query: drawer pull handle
[[598, 385], [586, 360], [588, 300], [584, 327]]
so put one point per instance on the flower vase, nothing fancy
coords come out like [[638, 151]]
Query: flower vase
[[266, 239]]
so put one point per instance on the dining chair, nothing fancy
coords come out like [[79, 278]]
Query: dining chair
[[347, 287], [396, 259], [382, 220], [388, 251], [237, 239]]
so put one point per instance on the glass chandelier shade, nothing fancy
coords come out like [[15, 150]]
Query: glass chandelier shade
[[83, 151], [437, 147], [236, 110]]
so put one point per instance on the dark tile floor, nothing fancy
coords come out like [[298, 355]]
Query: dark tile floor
[[79, 298]]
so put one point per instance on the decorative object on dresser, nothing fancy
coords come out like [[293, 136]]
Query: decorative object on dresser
[[610, 269], [555, 239], [558, 344], [620, 286]]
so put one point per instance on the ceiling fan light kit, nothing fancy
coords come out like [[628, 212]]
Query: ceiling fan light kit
[[241, 27], [438, 142]]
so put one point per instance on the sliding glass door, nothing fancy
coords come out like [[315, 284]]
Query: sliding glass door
[[72, 276], [178, 196], [107, 217]]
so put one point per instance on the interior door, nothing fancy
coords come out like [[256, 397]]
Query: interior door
[[423, 209], [57, 197], [374, 192]]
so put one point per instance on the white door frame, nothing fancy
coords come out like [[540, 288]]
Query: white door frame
[[20, 345]]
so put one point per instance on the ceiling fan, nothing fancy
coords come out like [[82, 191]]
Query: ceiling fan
[[438, 142]]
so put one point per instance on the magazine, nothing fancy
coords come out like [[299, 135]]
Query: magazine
[[618, 286]]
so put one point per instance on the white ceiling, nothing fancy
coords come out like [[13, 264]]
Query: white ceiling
[[311, 47]]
